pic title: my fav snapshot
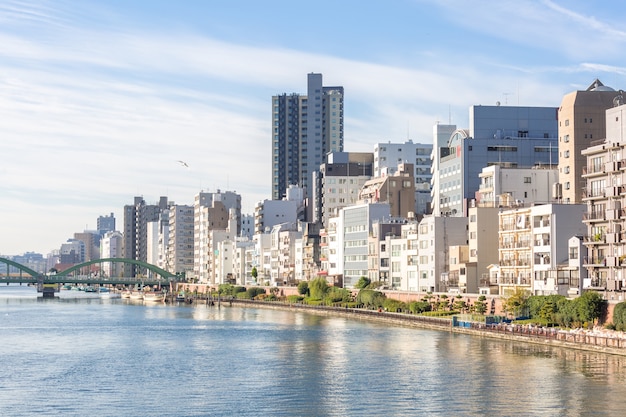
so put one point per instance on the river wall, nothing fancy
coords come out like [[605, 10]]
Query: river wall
[[596, 340]]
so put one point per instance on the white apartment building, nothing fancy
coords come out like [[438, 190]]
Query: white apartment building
[[111, 247], [435, 236], [351, 231], [180, 237], [270, 213], [503, 186], [209, 212], [534, 242], [283, 253], [221, 248]]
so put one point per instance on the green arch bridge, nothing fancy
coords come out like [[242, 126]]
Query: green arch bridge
[[50, 283]]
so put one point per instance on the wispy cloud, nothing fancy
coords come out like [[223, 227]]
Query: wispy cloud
[[97, 111]]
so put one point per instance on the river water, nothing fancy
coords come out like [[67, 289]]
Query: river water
[[80, 355]]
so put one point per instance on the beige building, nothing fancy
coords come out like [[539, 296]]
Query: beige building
[[581, 121], [605, 197], [398, 190]]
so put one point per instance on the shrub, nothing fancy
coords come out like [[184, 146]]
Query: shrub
[[370, 298], [303, 288], [418, 307], [439, 313], [336, 295], [255, 291], [293, 299], [393, 306]]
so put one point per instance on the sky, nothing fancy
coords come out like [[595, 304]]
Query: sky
[[99, 100]]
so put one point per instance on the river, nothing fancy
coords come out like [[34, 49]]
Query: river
[[80, 355]]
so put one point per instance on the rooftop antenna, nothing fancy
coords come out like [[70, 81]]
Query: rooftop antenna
[[506, 97]]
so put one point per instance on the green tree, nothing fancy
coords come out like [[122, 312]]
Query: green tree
[[459, 305], [254, 273], [363, 283], [566, 315], [318, 288], [619, 316], [480, 306], [303, 288], [589, 307], [515, 303]]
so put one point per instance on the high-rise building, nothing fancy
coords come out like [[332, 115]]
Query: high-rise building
[[581, 122], [136, 219], [304, 130]]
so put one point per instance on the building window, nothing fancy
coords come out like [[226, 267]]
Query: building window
[[527, 180]]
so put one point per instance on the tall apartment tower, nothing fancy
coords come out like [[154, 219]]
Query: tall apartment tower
[[136, 219], [304, 130], [582, 124]]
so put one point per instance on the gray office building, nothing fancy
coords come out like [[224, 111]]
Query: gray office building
[[507, 136]]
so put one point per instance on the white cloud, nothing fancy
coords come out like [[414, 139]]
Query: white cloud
[[93, 115]]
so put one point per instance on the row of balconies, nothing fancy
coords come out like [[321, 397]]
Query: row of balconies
[[516, 226], [603, 168], [514, 262], [516, 245], [602, 261]]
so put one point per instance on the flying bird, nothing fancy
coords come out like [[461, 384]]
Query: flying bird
[[183, 163]]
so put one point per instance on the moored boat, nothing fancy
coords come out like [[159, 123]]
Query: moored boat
[[136, 295], [154, 296]]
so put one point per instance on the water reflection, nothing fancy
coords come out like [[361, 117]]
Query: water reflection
[[255, 362]]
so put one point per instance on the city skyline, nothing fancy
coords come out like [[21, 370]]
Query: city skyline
[[102, 101]]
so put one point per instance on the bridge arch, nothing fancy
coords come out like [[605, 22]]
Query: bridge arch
[[20, 267], [150, 267]]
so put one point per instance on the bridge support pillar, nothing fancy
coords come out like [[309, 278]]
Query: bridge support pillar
[[48, 290]]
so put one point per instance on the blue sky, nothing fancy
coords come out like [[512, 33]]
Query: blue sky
[[99, 99]]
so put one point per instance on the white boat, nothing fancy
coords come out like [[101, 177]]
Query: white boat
[[125, 294], [110, 294], [154, 297], [136, 295]]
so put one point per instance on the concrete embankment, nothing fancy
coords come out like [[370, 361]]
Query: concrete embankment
[[587, 341]]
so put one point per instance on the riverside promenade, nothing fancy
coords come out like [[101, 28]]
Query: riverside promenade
[[594, 340]]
